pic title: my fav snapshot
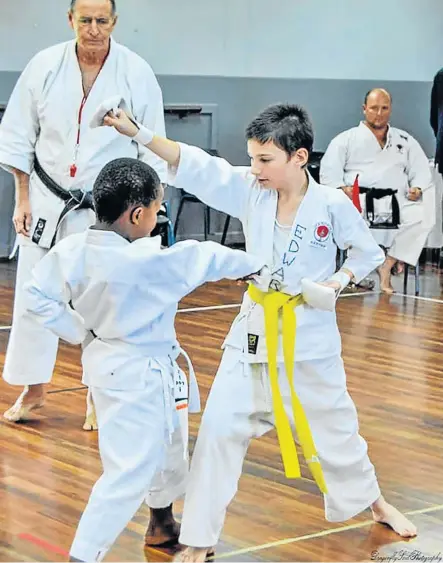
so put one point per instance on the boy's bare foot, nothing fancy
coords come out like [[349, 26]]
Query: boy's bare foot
[[162, 529], [385, 513], [194, 554]]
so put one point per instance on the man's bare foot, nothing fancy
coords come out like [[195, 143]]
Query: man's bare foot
[[194, 554], [91, 418], [384, 273], [90, 421], [162, 529], [32, 398], [385, 513]]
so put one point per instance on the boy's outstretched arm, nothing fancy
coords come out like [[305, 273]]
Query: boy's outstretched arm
[[195, 263], [212, 179]]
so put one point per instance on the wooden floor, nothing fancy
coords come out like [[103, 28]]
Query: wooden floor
[[393, 350]]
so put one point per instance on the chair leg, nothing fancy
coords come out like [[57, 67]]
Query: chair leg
[[171, 237], [417, 279], [225, 229], [180, 209], [207, 218], [405, 279]]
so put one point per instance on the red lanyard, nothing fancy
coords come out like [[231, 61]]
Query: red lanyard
[[73, 168]]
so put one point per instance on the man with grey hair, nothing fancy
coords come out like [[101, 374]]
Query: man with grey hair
[[48, 144]]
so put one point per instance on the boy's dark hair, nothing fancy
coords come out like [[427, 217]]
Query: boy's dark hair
[[113, 6], [122, 183], [287, 125]]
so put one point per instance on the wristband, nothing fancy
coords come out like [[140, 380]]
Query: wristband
[[144, 135]]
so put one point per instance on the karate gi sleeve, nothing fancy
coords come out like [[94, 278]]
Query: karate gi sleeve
[[20, 127], [148, 110], [193, 263], [213, 180], [332, 165], [351, 233], [48, 297], [418, 168]]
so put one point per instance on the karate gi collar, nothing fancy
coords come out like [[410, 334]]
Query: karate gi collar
[[364, 127], [111, 238]]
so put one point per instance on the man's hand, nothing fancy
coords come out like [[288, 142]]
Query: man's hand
[[121, 122], [348, 191], [22, 218], [414, 194]]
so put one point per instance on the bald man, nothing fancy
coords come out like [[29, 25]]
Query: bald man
[[385, 158]]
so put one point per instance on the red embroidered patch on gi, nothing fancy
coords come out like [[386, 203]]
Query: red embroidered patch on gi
[[321, 232]]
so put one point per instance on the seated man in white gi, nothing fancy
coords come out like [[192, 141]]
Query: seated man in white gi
[[115, 282], [385, 158], [47, 143]]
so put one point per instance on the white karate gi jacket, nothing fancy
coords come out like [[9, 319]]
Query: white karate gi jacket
[[326, 220], [42, 118]]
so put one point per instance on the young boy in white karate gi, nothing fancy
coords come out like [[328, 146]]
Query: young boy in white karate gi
[[268, 378], [116, 288]]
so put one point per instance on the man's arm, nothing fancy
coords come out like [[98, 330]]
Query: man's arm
[[332, 165], [19, 130], [418, 170], [22, 212]]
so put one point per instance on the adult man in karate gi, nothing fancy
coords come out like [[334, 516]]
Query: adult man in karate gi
[[47, 143], [385, 158]]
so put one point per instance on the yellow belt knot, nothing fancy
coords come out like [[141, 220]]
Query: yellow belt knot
[[273, 302]]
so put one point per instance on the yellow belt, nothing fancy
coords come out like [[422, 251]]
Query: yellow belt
[[272, 303]]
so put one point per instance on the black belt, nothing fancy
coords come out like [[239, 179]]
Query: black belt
[[378, 193], [74, 199]]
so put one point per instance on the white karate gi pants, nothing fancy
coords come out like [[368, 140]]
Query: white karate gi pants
[[239, 408], [32, 349], [137, 457], [407, 242]]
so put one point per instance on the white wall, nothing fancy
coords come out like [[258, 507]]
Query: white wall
[[331, 39]]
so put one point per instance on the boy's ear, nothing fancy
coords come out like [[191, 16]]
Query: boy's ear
[[301, 157], [136, 215]]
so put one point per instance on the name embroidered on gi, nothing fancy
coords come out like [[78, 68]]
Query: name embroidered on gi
[[278, 276]]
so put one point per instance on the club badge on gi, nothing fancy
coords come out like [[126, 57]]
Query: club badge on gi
[[252, 343], [38, 231], [321, 235]]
